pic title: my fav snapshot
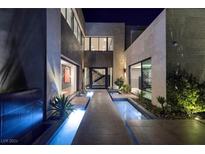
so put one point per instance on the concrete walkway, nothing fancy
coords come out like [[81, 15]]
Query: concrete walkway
[[102, 123]]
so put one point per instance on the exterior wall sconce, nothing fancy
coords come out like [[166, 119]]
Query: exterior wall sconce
[[175, 43]]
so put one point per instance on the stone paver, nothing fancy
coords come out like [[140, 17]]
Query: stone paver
[[102, 123], [79, 100], [123, 96], [168, 131]]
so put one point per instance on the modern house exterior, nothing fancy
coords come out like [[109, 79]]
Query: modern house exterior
[[47, 52], [173, 39]]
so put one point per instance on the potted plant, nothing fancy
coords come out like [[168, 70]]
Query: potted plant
[[119, 82], [61, 106]]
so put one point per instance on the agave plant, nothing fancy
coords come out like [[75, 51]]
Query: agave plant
[[162, 102], [61, 106]]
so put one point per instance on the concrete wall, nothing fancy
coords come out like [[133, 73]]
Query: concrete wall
[[152, 43], [91, 59], [117, 30], [53, 46], [187, 28]]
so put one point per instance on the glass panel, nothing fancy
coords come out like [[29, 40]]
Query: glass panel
[[110, 43], [94, 44], [63, 11], [87, 42], [79, 34], [103, 44], [69, 16], [98, 78], [69, 77], [86, 77], [147, 78], [135, 78], [82, 39], [75, 28], [110, 77]]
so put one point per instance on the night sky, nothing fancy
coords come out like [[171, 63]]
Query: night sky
[[141, 17]]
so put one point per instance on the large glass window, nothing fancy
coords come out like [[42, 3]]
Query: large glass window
[[63, 11], [68, 77], [94, 43], [79, 34], [135, 78], [147, 78], [99, 44], [87, 44], [69, 16], [73, 23], [110, 43], [103, 44], [75, 28], [141, 78]]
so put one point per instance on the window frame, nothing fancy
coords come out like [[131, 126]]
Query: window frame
[[98, 47], [140, 62]]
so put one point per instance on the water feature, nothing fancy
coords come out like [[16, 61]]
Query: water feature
[[66, 132], [128, 111]]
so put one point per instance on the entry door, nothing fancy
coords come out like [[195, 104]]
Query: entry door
[[98, 78]]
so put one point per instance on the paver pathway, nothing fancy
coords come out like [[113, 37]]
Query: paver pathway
[[101, 123]]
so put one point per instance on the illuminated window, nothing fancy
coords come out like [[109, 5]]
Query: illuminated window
[[87, 44], [63, 11], [75, 28], [82, 40], [110, 43], [94, 44], [69, 16], [79, 34], [98, 44], [102, 44], [141, 78]]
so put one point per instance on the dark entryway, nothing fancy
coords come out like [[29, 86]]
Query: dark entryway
[[99, 78]]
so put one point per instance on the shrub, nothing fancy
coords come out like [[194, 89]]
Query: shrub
[[126, 88], [184, 93], [140, 96], [119, 82]]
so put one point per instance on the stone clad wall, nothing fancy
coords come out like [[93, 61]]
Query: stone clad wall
[[186, 27]]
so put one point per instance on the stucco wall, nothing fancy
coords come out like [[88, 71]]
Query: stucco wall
[[152, 43], [117, 30], [187, 28]]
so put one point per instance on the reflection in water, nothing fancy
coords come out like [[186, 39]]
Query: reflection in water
[[89, 94], [19, 117], [127, 111], [65, 134]]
